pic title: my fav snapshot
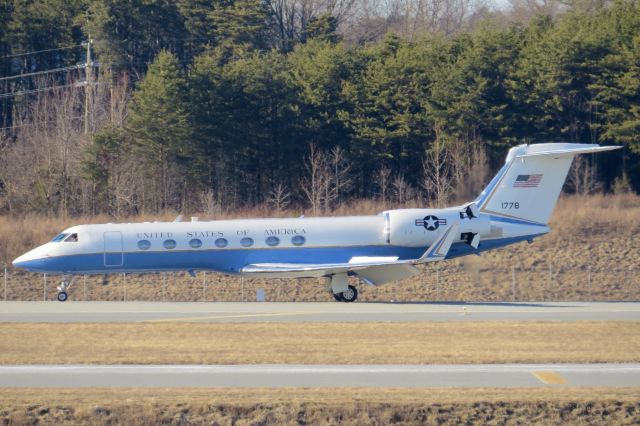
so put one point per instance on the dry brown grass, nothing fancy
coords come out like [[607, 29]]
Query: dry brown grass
[[320, 406], [326, 343], [597, 232]]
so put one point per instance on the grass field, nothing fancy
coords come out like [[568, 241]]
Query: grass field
[[320, 406], [592, 253], [321, 343]]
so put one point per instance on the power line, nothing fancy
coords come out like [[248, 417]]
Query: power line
[[35, 124], [41, 51], [44, 89], [72, 67], [27, 92]]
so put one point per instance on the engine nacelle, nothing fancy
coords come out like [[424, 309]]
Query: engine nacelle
[[421, 227]]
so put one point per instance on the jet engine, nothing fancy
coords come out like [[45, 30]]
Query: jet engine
[[421, 227]]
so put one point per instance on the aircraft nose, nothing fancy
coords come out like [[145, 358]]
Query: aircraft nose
[[30, 259], [21, 261]]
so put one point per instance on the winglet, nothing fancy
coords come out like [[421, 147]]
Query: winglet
[[439, 249]]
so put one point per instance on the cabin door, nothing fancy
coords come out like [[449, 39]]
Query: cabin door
[[113, 249]]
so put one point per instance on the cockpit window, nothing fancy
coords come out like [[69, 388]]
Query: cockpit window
[[73, 238], [59, 238]]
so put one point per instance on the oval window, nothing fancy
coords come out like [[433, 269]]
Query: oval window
[[195, 243], [169, 244], [298, 240], [246, 242], [144, 244], [272, 241], [221, 243]]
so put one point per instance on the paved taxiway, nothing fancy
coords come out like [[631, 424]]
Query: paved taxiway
[[393, 376], [56, 312]]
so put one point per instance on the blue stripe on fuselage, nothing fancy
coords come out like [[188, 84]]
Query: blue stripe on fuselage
[[515, 221], [226, 261]]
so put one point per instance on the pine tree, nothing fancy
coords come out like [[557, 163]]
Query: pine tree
[[159, 125], [241, 24]]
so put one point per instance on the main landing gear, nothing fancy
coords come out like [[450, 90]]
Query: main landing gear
[[350, 295], [63, 287], [341, 289]]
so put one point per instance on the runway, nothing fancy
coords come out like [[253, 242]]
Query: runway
[[387, 376], [80, 312]]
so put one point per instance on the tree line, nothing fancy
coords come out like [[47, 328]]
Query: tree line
[[215, 105]]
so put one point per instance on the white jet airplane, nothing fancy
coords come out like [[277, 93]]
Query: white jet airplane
[[514, 207]]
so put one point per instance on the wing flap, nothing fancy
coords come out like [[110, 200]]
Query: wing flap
[[310, 270], [376, 275]]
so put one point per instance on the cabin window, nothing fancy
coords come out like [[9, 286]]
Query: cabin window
[[246, 242], [221, 242], [195, 243], [144, 244], [59, 238], [298, 240], [169, 244], [272, 241], [73, 238]]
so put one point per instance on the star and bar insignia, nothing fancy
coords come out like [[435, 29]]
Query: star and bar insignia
[[431, 223]]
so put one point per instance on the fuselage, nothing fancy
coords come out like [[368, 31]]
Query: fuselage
[[226, 246]]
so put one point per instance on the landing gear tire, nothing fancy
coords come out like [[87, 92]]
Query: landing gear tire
[[350, 295], [63, 287]]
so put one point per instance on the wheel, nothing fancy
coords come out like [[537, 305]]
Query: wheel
[[350, 295], [337, 296], [62, 296]]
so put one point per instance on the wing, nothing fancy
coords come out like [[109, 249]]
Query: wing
[[374, 270]]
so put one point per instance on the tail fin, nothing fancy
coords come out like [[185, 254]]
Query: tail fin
[[528, 185]]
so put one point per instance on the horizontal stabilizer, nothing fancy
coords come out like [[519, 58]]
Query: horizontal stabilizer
[[564, 150], [440, 248]]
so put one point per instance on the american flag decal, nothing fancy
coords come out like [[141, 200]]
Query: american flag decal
[[527, 181]]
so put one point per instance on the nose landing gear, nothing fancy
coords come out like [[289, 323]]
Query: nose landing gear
[[63, 287]]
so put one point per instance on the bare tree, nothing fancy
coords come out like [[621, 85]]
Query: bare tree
[[524, 10], [40, 168], [383, 178], [293, 16], [583, 177], [437, 173], [279, 197], [470, 169], [315, 182], [402, 190], [327, 178], [340, 176], [408, 18]]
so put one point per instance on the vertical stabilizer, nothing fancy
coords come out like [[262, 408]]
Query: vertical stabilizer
[[528, 185]]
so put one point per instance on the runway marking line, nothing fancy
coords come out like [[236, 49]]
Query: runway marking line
[[549, 377], [187, 319]]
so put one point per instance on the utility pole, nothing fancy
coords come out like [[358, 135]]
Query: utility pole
[[88, 77]]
